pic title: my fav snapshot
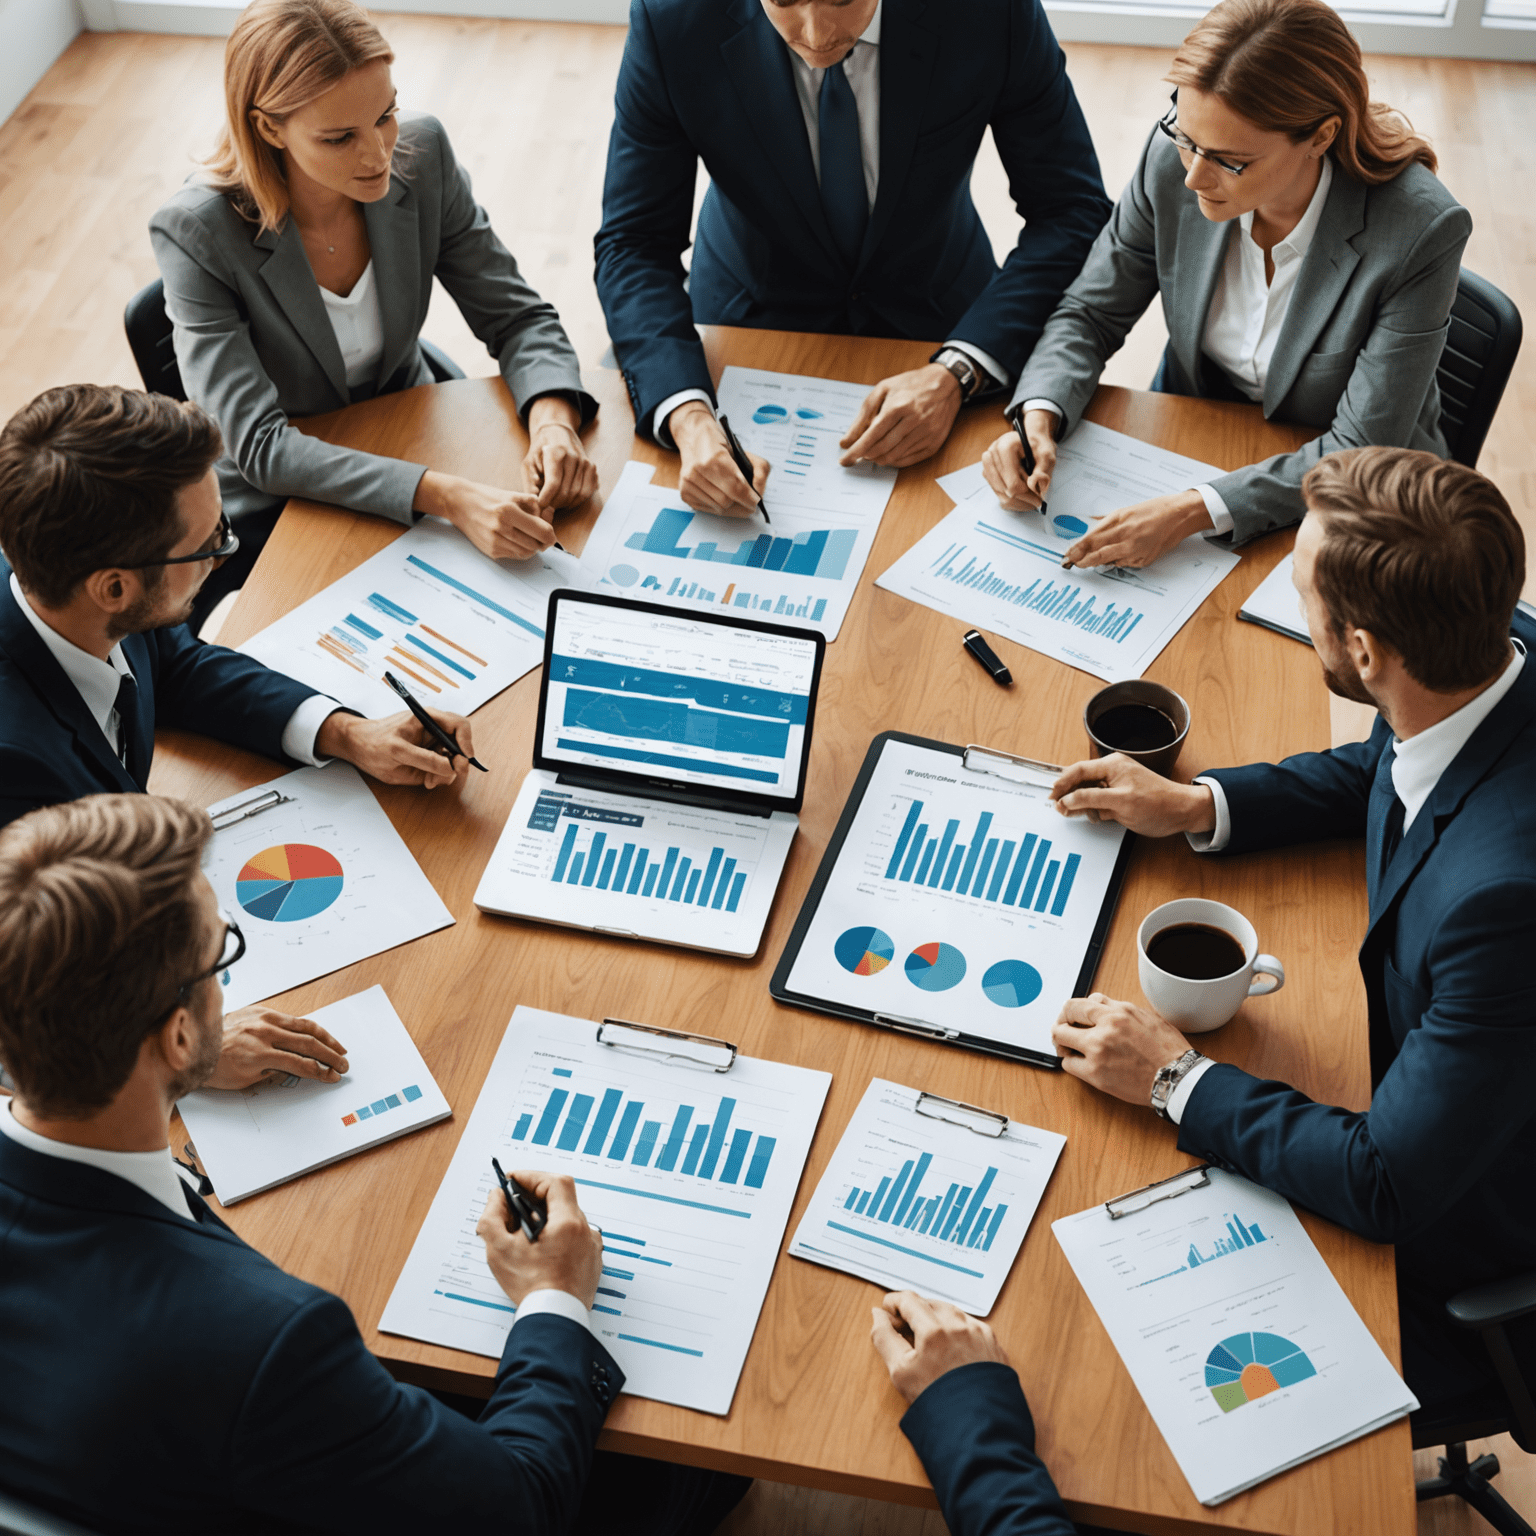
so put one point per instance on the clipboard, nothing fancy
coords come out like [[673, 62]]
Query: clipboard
[[976, 759]]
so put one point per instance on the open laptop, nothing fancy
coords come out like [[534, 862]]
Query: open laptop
[[669, 760]]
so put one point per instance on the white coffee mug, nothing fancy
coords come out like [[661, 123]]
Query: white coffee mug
[[1197, 1006]]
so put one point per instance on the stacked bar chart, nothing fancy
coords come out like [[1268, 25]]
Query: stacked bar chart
[[959, 1216], [1016, 871]]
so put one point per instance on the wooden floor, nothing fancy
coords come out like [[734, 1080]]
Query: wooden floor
[[121, 118]]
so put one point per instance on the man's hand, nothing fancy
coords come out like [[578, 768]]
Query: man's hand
[[1002, 465], [1118, 788], [261, 1042], [506, 525], [709, 480], [568, 1255], [556, 464], [920, 1340], [396, 750], [904, 419], [1136, 536], [1117, 1047]]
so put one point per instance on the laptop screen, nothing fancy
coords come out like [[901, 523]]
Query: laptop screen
[[678, 698]]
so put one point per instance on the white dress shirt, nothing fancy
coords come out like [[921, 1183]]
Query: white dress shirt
[[862, 66], [358, 323], [97, 682], [1418, 764]]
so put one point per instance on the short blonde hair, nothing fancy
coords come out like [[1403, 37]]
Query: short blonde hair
[[282, 55]]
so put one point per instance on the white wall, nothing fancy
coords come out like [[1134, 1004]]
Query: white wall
[[33, 33]]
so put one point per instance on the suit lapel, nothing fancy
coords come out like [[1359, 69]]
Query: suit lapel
[[1202, 250], [395, 242], [908, 52], [292, 284], [1325, 272]]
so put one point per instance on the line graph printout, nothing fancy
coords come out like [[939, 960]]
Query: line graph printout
[[913, 1201], [690, 1174], [1243, 1346], [960, 899], [455, 626], [1002, 570]]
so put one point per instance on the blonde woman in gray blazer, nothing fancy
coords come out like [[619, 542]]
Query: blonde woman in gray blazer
[[1307, 258], [298, 273]]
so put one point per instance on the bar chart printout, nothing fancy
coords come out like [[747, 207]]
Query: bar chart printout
[[913, 1200], [690, 1174]]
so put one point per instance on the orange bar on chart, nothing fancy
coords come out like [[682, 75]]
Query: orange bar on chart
[[427, 630]]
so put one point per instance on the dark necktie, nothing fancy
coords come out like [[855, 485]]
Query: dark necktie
[[130, 743], [1391, 836], [843, 194]]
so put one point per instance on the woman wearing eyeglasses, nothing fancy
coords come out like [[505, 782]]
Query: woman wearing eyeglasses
[[1307, 258]]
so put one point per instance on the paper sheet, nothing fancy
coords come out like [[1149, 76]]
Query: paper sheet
[[258, 1137], [316, 883], [1244, 1348], [915, 1202], [455, 626], [1001, 571], [690, 1174], [1275, 605], [960, 900]]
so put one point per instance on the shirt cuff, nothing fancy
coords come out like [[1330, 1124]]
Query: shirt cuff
[[665, 409], [1221, 518], [987, 361], [1042, 405], [1178, 1100], [1213, 841], [304, 725], [561, 1303]]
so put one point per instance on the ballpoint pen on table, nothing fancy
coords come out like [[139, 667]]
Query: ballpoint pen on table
[[430, 726]]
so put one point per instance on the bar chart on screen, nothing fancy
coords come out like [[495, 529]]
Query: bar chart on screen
[[913, 1200], [689, 1173]]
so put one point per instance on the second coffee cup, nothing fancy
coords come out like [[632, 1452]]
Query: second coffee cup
[[1145, 721], [1198, 960]]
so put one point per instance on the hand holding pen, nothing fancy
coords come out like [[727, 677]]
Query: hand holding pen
[[565, 1253], [438, 739], [1018, 465], [743, 463]]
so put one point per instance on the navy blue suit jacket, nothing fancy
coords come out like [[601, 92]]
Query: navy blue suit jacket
[[51, 748], [1441, 1163], [160, 1375], [711, 80]]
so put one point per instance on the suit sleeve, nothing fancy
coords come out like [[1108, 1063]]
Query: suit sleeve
[[222, 372], [328, 1439], [647, 217], [520, 330], [1388, 382], [1457, 1092], [1053, 176], [974, 1434]]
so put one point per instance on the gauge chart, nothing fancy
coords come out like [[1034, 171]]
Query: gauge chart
[[1252, 1365]]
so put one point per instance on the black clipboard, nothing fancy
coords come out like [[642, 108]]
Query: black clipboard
[[778, 987]]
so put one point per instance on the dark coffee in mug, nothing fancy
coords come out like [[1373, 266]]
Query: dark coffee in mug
[[1135, 728], [1196, 951]]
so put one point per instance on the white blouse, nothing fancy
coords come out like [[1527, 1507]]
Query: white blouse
[[359, 326]]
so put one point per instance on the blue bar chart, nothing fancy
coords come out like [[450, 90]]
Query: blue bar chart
[[821, 552], [665, 874], [959, 1216], [1240, 1235]]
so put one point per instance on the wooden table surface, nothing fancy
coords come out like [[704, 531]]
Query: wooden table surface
[[814, 1406]]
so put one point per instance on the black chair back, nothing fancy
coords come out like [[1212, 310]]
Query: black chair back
[[1479, 354], [149, 338]]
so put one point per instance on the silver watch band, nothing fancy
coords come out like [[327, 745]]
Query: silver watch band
[[1169, 1077], [968, 373]]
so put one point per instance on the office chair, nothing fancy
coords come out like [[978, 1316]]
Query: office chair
[[18, 1518], [1480, 352], [149, 338], [1486, 1308]]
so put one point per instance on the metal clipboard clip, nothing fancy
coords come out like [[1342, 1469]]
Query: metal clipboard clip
[[990, 761], [984, 1122], [1197, 1177], [702, 1051], [916, 1027], [243, 810]]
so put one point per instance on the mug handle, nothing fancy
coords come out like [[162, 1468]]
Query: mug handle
[[1266, 965]]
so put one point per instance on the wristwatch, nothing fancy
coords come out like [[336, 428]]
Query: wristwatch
[[1168, 1078], [966, 373]]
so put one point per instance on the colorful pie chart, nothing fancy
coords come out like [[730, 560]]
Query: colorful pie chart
[[1252, 1365], [289, 882], [1011, 983], [864, 951], [935, 967]]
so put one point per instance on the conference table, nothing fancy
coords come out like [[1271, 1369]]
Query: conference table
[[814, 1406]]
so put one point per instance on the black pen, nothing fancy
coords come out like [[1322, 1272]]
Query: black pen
[[430, 726], [1029, 453], [531, 1213], [978, 647], [743, 463]]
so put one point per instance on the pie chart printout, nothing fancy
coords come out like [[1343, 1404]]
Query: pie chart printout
[[289, 882], [864, 951], [1251, 1365], [1011, 983], [935, 967]]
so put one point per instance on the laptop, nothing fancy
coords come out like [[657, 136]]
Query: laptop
[[669, 768]]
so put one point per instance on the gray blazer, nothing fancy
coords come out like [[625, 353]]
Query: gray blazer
[[256, 347], [1356, 356]]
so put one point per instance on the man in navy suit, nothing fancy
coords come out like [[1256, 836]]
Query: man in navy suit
[[839, 137], [159, 1374], [1409, 569]]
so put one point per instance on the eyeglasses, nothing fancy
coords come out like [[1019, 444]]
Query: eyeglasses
[[226, 542], [230, 950], [1169, 124]]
